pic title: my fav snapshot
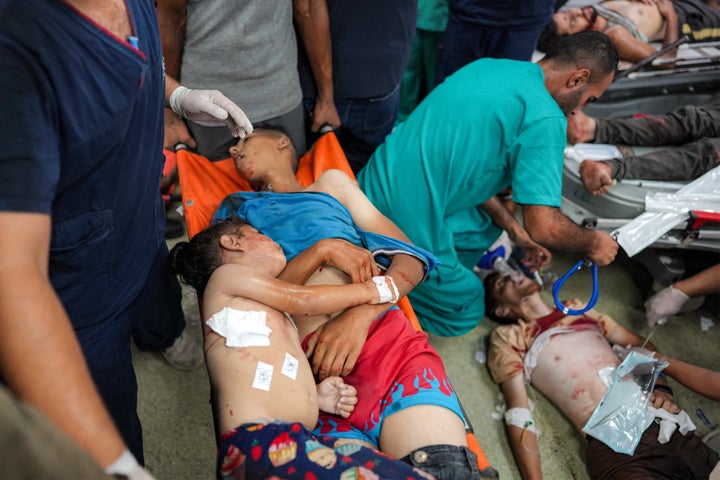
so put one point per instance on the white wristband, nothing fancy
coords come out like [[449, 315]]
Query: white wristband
[[386, 288], [124, 464]]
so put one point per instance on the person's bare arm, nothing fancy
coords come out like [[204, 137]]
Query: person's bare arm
[[629, 48], [364, 214], [40, 357], [523, 442], [356, 262], [703, 283], [313, 23], [172, 16], [536, 255], [335, 347], [243, 281], [551, 228], [698, 379]]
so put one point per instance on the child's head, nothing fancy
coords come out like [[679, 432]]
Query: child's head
[[264, 150], [196, 260], [503, 296]]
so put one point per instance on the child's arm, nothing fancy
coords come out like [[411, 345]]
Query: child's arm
[[336, 396], [357, 262], [521, 427], [242, 281]]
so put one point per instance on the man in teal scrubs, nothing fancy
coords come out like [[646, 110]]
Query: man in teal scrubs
[[495, 123]]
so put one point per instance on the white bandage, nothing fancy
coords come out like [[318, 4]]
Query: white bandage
[[521, 418], [241, 328], [386, 288]]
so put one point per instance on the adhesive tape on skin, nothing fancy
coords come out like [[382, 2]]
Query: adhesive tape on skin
[[241, 328], [386, 288], [521, 418]]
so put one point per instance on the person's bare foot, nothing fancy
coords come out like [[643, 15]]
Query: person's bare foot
[[596, 176], [581, 128]]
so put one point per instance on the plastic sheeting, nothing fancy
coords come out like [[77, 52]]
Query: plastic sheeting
[[671, 211]]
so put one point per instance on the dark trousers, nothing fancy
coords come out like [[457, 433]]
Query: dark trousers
[[155, 319], [463, 43], [365, 124], [690, 137]]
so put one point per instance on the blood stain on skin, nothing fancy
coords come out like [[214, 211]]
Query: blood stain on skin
[[403, 275]]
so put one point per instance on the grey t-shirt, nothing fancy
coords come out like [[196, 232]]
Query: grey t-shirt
[[248, 51]]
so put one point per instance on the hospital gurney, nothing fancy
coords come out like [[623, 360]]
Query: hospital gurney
[[694, 79], [203, 185], [698, 229]]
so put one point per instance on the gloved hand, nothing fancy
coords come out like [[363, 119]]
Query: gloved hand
[[210, 108], [667, 301], [127, 467]]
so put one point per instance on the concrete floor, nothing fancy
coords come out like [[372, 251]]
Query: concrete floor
[[177, 421]]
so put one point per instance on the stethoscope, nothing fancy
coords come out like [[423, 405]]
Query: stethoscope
[[561, 281]]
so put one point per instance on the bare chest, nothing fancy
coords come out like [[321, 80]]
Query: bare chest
[[112, 15]]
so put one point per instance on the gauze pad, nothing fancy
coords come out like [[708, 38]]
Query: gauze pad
[[241, 328]]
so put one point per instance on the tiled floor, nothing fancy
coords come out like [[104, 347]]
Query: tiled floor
[[179, 439]]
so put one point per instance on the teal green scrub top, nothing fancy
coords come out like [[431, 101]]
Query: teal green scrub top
[[490, 125]]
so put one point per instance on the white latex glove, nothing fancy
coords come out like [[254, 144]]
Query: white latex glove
[[210, 108], [664, 303], [128, 467]]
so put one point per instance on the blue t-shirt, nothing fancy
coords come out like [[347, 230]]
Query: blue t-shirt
[[83, 127], [298, 220]]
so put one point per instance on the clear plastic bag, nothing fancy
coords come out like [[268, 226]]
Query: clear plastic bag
[[622, 415]]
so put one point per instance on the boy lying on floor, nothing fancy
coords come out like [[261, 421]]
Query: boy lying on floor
[[562, 356]]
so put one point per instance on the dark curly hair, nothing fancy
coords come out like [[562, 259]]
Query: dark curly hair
[[196, 260], [491, 301]]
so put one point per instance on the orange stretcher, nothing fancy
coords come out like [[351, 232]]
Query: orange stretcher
[[203, 185]]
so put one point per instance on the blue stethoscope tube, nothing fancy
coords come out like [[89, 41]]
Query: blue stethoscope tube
[[561, 281]]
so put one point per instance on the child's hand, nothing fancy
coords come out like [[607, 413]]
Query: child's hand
[[385, 288], [337, 397]]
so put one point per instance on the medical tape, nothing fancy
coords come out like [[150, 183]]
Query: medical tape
[[290, 366], [263, 376], [241, 328], [521, 418], [386, 288]]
